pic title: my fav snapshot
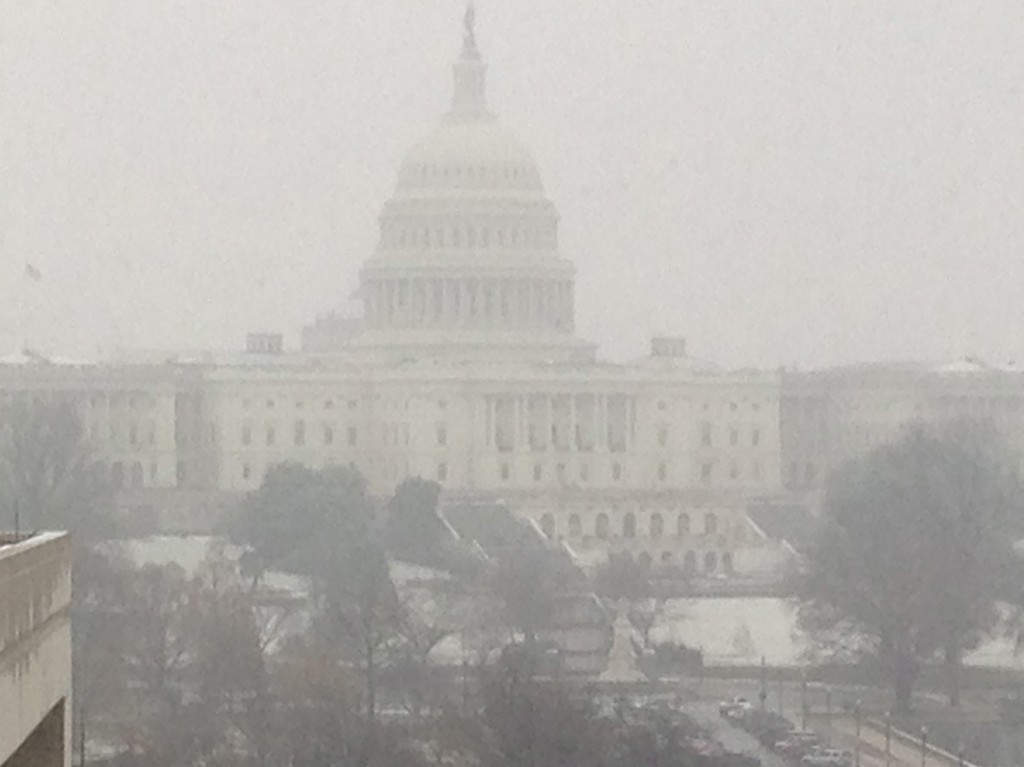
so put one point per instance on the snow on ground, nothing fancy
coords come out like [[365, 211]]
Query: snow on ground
[[730, 631]]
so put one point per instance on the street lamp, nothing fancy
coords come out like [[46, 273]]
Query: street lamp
[[856, 717], [828, 714], [888, 740], [803, 700]]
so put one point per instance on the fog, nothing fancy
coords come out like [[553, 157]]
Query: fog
[[790, 182]]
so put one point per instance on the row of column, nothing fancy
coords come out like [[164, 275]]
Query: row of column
[[561, 422], [395, 236], [470, 302]]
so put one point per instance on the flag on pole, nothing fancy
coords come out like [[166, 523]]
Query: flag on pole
[[32, 273]]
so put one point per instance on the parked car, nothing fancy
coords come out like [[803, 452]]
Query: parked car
[[734, 708], [827, 757], [796, 745]]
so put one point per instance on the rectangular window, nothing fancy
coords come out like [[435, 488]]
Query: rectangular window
[[151, 432], [300, 433], [663, 436], [734, 436], [442, 472], [180, 474], [133, 433], [328, 435], [246, 471], [755, 438], [538, 472], [505, 471], [352, 435], [442, 434], [584, 472], [662, 472], [616, 471], [246, 434], [705, 433], [271, 435]]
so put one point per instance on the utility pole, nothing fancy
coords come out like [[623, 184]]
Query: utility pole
[[924, 746]]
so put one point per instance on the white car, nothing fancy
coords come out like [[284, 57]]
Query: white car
[[827, 757]]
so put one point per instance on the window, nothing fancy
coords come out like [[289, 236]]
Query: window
[[151, 432], [271, 435], [710, 562], [153, 470], [663, 436], [246, 471], [504, 471], [710, 524], [328, 404], [661, 405], [442, 472], [755, 471], [442, 434], [180, 472], [755, 437], [734, 470], [328, 434], [734, 436], [657, 525], [601, 526], [690, 563], [136, 475], [705, 473], [300, 433], [561, 472], [616, 471], [662, 472], [246, 434], [727, 562], [812, 472], [270, 404], [133, 433], [682, 525], [352, 435], [705, 433], [537, 472], [575, 527], [547, 525], [629, 526], [584, 472]]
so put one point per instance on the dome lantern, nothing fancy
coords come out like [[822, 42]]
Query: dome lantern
[[469, 97]]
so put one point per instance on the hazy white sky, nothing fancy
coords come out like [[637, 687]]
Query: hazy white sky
[[780, 182]]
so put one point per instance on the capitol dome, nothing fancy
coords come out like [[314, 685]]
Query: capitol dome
[[467, 263]]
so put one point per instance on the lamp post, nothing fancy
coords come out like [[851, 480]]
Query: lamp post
[[888, 740], [924, 746], [828, 715], [856, 718], [803, 700]]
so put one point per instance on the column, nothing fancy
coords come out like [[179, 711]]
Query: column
[[573, 425]]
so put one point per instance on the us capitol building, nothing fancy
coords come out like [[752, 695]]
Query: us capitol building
[[465, 368]]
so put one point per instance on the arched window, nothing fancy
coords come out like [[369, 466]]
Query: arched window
[[710, 562], [690, 563], [629, 525], [644, 560], [727, 562], [601, 526], [657, 525], [117, 475], [682, 525], [135, 479], [710, 524], [547, 524], [575, 527]]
